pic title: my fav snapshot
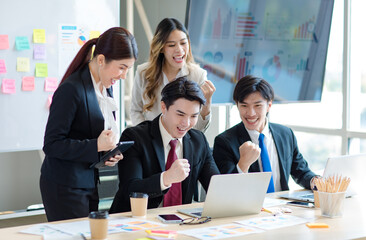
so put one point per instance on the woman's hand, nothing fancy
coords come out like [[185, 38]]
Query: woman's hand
[[208, 90], [114, 160], [106, 141]]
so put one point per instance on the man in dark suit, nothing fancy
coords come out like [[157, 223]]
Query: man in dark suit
[[146, 166], [237, 149]]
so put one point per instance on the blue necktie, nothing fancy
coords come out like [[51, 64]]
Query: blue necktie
[[266, 164]]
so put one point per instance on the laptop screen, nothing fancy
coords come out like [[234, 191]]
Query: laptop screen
[[352, 166]]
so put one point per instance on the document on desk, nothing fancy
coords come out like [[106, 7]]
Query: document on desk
[[115, 225], [220, 232], [49, 233], [271, 202], [273, 222]]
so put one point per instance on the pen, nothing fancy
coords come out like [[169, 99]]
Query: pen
[[266, 210], [83, 236]]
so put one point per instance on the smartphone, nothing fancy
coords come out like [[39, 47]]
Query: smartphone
[[169, 218], [301, 204]]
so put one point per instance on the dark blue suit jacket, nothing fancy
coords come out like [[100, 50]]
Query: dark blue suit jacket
[[74, 124], [144, 162], [291, 162]]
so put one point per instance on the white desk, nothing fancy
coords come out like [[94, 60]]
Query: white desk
[[352, 225]]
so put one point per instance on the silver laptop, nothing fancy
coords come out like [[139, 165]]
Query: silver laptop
[[233, 195], [352, 166]]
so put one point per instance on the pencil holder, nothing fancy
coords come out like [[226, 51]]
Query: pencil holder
[[316, 199], [331, 204]]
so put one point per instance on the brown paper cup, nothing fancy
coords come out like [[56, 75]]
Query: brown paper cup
[[139, 204], [98, 225]]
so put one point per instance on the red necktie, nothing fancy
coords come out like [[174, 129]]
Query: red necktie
[[174, 195]]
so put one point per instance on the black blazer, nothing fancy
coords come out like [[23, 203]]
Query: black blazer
[[144, 162], [226, 154], [74, 124]]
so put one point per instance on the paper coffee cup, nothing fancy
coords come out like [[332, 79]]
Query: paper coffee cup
[[139, 204], [98, 225]]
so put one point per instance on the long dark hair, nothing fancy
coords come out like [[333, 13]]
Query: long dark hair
[[115, 44]]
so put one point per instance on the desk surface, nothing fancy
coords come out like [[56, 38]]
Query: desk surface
[[352, 225]]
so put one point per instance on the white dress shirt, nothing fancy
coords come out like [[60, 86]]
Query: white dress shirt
[[107, 106], [272, 153]]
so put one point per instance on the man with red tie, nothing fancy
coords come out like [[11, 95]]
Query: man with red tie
[[168, 157]]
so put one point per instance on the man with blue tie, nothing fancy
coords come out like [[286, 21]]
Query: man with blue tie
[[256, 145]]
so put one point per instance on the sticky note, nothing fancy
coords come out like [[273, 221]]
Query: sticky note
[[21, 43], [39, 36], [39, 52], [22, 64], [50, 84], [4, 41], [317, 225], [8, 86], [2, 66], [41, 70], [28, 83], [94, 34]]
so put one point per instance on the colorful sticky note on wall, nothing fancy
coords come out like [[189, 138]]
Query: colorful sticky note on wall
[[21, 43], [39, 52], [28, 83], [2, 66], [39, 36], [50, 84], [8, 86], [4, 41], [41, 70], [94, 34], [22, 64]]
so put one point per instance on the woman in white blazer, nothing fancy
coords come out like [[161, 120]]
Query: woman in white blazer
[[170, 58]]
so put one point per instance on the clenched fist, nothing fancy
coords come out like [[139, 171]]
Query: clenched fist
[[249, 153]]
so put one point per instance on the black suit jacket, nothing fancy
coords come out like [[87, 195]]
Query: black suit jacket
[[74, 124], [144, 162], [291, 162]]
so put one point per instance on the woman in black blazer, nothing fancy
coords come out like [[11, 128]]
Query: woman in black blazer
[[81, 125]]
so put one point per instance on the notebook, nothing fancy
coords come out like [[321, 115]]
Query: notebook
[[352, 166], [233, 195]]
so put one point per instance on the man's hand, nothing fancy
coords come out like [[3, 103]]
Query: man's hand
[[249, 153], [177, 172]]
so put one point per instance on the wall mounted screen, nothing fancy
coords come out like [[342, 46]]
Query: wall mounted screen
[[283, 41]]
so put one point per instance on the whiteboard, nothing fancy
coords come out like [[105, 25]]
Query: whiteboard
[[23, 114]]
